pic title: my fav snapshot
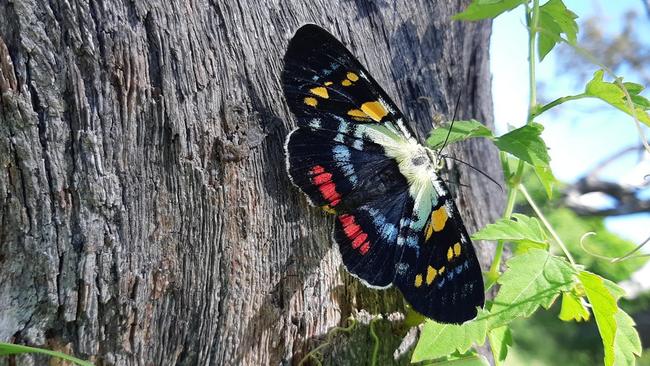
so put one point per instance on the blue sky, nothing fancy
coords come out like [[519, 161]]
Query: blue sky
[[579, 134]]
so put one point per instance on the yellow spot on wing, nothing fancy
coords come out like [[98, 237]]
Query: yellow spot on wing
[[346, 82], [328, 209], [457, 249], [418, 280], [439, 218], [450, 254], [437, 223], [357, 113], [431, 274], [375, 110], [311, 101], [320, 91], [442, 269], [352, 76], [328, 83]]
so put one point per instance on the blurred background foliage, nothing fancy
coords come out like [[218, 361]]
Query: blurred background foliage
[[544, 339]]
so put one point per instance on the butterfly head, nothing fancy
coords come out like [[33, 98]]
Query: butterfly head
[[437, 162]]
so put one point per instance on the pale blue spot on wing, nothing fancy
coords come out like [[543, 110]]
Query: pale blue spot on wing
[[389, 232], [412, 241], [341, 153], [401, 268], [342, 156]]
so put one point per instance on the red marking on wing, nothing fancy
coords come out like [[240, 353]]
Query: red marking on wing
[[364, 248], [354, 232], [346, 219], [359, 240], [326, 186], [317, 170], [322, 178]]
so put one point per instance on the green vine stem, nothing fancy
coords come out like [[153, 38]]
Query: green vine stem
[[496, 263], [584, 53], [312, 354], [375, 341], [548, 226], [629, 255], [557, 102]]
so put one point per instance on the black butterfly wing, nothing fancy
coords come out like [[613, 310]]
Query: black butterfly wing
[[337, 154], [437, 270], [322, 77]]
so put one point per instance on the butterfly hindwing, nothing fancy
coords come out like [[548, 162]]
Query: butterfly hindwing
[[338, 170], [367, 238], [441, 276]]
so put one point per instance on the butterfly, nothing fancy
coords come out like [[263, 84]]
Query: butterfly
[[354, 155]]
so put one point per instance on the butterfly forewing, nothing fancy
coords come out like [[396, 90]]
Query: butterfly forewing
[[353, 155]]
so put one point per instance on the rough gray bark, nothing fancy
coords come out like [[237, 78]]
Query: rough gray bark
[[145, 214]]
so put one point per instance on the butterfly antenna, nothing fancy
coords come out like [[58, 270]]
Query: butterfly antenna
[[453, 118], [450, 182], [475, 169]]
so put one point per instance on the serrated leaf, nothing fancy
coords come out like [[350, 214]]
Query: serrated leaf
[[548, 38], [626, 341], [461, 130], [620, 339], [546, 177], [525, 143], [612, 94], [555, 19], [482, 9], [572, 308], [533, 279], [500, 340], [439, 340], [633, 88], [524, 228]]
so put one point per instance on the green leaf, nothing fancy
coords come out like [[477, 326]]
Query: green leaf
[[533, 279], [439, 340], [472, 360], [626, 340], [523, 229], [620, 339], [572, 308], [546, 177], [461, 130], [640, 102], [555, 19], [525, 143], [633, 88], [500, 339], [483, 9], [612, 94], [14, 349]]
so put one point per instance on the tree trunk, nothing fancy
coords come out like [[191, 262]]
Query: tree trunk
[[145, 213]]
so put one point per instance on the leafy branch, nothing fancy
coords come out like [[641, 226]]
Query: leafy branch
[[534, 277]]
